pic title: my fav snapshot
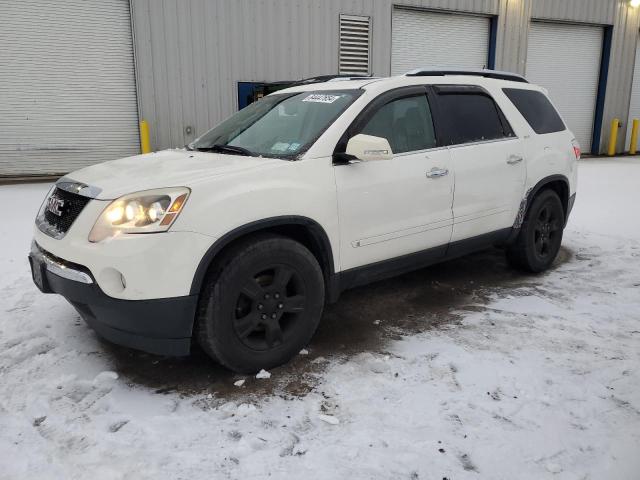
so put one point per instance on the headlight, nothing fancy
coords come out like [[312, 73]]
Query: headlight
[[150, 211]]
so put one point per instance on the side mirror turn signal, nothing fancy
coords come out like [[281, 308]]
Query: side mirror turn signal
[[369, 148]]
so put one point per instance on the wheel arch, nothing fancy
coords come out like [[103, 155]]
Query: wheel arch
[[302, 229], [558, 183]]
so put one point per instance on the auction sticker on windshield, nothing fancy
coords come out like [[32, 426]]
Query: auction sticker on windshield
[[320, 98]]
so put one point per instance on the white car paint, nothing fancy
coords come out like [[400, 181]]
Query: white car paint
[[370, 211], [488, 186], [382, 206]]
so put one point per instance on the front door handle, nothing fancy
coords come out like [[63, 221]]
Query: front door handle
[[436, 172], [514, 159]]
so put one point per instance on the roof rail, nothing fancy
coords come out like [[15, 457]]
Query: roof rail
[[330, 78], [480, 72]]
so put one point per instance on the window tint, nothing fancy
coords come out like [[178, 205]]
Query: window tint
[[405, 122], [537, 110], [473, 117]]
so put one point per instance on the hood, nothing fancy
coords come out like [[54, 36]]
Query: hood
[[168, 168]]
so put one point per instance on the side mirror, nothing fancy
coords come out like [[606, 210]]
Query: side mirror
[[369, 148]]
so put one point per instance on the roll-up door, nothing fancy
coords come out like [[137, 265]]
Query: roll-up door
[[67, 85], [429, 39], [565, 59]]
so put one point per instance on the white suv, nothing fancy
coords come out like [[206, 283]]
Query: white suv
[[239, 239]]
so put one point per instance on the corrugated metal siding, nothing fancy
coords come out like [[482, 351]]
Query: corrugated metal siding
[[191, 54], [625, 22], [634, 104], [625, 34], [586, 11], [67, 86], [416, 35], [513, 25]]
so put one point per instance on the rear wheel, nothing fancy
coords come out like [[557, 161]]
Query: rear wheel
[[540, 236], [261, 304]]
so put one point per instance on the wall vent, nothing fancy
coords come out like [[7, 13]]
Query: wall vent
[[355, 45]]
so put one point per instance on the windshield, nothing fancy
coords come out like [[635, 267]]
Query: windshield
[[279, 125]]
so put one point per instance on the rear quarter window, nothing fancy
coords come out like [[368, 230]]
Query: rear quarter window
[[536, 109]]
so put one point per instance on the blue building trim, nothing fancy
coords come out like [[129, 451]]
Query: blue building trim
[[602, 89], [493, 35], [245, 93]]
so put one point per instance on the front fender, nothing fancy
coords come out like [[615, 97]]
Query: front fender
[[304, 190]]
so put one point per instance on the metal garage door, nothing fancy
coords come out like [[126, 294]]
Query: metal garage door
[[634, 104], [428, 39], [67, 86], [565, 59]]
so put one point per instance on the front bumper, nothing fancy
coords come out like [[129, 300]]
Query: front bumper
[[161, 326], [131, 267]]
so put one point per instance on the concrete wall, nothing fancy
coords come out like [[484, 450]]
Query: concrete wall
[[190, 54]]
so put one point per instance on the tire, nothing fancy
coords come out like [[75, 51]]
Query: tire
[[540, 236], [261, 303]]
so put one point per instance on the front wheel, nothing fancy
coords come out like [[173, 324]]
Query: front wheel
[[261, 304], [540, 236]]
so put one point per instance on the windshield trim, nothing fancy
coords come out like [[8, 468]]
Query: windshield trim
[[282, 96], [191, 146]]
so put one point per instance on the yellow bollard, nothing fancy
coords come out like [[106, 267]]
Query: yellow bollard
[[145, 142], [633, 146], [613, 137]]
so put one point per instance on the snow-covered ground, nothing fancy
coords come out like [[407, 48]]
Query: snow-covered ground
[[461, 371]]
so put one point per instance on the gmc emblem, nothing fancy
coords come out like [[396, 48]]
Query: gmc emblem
[[54, 205]]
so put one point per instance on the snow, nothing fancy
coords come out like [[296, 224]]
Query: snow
[[527, 377], [105, 378], [330, 419], [263, 374]]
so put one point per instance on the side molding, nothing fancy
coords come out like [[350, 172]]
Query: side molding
[[366, 274], [317, 233]]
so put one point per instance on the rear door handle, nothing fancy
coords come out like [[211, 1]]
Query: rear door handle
[[436, 172], [514, 159]]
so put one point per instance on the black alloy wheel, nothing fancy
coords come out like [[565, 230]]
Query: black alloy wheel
[[267, 306], [540, 236], [261, 303]]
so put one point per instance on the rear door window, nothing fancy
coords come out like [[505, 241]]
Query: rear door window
[[405, 122], [472, 115], [536, 109]]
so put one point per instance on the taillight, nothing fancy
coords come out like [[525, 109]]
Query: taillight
[[576, 148]]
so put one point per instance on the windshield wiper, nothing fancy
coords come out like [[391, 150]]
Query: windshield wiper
[[233, 150]]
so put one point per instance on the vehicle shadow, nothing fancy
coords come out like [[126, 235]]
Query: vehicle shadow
[[365, 319]]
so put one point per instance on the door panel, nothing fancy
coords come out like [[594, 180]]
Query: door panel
[[487, 157], [391, 208], [395, 207], [489, 186]]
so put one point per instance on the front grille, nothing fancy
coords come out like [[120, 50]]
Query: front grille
[[72, 205]]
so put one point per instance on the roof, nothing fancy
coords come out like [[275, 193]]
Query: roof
[[475, 72], [418, 77], [330, 78]]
